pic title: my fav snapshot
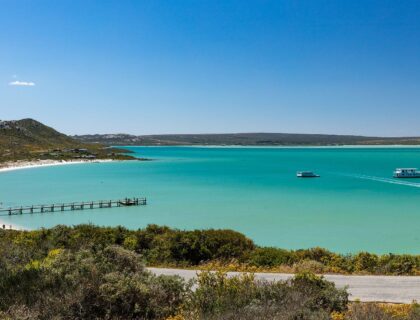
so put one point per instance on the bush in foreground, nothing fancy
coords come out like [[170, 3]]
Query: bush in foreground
[[242, 297], [62, 274], [87, 280], [162, 246], [107, 284]]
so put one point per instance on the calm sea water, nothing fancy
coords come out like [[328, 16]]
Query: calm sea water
[[355, 205]]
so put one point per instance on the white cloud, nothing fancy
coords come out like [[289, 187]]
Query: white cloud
[[21, 83]]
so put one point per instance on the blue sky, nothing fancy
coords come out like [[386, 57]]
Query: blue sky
[[197, 66]]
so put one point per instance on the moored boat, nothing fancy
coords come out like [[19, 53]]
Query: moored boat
[[306, 174], [406, 173]]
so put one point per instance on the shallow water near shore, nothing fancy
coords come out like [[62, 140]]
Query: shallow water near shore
[[356, 205]]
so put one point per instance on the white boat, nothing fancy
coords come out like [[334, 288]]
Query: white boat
[[406, 173], [306, 174]]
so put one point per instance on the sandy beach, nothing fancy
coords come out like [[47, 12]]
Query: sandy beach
[[24, 164], [10, 226]]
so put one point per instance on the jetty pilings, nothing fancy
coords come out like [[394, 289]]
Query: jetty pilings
[[43, 208]]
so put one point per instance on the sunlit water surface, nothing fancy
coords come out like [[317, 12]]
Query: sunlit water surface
[[355, 205]]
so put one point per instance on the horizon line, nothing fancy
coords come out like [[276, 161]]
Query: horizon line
[[250, 132]]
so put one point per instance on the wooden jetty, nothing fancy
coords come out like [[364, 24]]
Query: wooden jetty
[[42, 208]]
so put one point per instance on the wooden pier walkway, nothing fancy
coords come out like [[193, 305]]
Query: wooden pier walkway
[[42, 208]]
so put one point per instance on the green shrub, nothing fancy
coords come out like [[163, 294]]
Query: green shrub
[[398, 264], [130, 243], [89, 284], [309, 266], [365, 261], [320, 293], [270, 257], [191, 247], [241, 297], [318, 254]]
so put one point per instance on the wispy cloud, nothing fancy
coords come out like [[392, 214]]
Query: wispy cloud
[[22, 83]]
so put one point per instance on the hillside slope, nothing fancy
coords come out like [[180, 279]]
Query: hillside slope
[[29, 133], [28, 139]]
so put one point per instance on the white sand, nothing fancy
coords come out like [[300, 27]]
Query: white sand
[[22, 164], [17, 165], [10, 226]]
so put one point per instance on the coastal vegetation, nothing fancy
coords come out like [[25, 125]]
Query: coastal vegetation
[[28, 139], [112, 283], [88, 272], [225, 250]]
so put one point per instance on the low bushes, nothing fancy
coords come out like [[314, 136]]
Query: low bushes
[[111, 283], [88, 284], [270, 257], [87, 272], [304, 297], [224, 248]]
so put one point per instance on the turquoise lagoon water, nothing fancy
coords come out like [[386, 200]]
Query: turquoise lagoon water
[[355, 205]]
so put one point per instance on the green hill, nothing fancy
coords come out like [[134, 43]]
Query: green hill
[[29, 133], [28, 139]]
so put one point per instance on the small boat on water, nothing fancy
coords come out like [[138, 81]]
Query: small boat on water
[[406, 173], [306, 174]]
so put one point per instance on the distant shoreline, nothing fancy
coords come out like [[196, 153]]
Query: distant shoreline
[[244, 139], [364, 146], [29, 164]]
